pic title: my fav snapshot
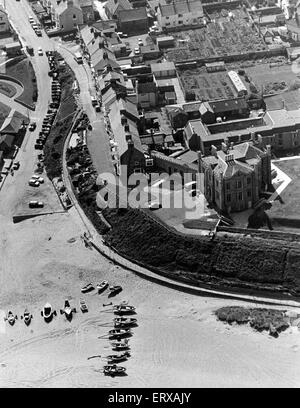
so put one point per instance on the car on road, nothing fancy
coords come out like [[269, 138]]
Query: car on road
[[31, 20], [16, 165], [40, 51], [33, 183], [35, 204], [98, 108], [38, 33], [140, 42], [32, 126], [137, 51]]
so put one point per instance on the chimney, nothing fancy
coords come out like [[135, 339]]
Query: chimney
[[130, 143], [92, 29], [269, 149], [252, 136], [105, 56], [101, 45], [240, 138], [283, 103], [214, 151], [224, 147], [231, 145], [126, 128], [259, 139]]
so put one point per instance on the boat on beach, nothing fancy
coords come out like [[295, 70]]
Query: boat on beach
[[11, 318], [120, 345], [102, 286], [118, 333], [123, 309], [117, 358], [114, 290], [113, 370], [124, 322], [27, 316]]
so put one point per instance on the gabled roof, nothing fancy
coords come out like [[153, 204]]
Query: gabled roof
[[232, 168], [87, 34], [63, 5], [133, 15], [12, 124], [181, 7], [6, 139], [119, 129], [100, 59], [117, 5], [226, 105]]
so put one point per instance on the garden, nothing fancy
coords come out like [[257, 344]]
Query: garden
[[225, 35]]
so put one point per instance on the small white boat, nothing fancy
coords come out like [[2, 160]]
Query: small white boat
[[87, 288], [48, 312], [68, 310], [118, 333], [123, 309], [123, 322], [11, 318], [102, 286], [114, 370], [27, 317]]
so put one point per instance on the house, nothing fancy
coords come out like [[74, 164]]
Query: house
[[293, 27], [279, 128], [4, 22], [235, 176], [14, 48], [178, 117], [111, 78], [14, 124], [6, 144], [69, 15], [87, 7], [133, 21], [150, 52], [163, 69], [113, 7], [128, 150], [179, 14], [146, 94], [103, 58]]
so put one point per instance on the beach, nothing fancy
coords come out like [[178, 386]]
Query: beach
[[178, 341]]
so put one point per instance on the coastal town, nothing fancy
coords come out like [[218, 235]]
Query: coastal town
[[149, 185]]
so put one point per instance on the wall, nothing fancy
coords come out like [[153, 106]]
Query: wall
[[66, 20]]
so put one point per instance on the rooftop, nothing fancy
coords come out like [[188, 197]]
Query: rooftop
[[181, 7], [133, 14]]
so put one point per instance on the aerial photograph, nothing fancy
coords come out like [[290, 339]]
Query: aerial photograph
[[149, 202]]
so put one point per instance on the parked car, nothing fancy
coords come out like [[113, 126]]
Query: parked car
[[36, 204], [154, 205], [16, 165], [38, 33], [38, 146], [94, 100], [33, 183], [38, 178], [40, 51], [137, 51], [32, 126]]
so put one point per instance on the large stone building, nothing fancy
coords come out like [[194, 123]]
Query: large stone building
[[180, 13], [235, 176]]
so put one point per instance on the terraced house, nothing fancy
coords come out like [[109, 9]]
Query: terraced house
[[179, 13]]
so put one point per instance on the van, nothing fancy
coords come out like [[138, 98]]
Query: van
[[78, 58], [94, 100]]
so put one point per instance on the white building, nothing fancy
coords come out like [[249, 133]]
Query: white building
[[237, 83], [180, 13]]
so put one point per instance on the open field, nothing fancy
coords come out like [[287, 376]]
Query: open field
[[207, 86], [23, 71], [221, 37]]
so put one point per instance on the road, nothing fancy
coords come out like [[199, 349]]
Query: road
[[178, 341]]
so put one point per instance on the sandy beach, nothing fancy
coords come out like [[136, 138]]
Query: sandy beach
[[178, 341]]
